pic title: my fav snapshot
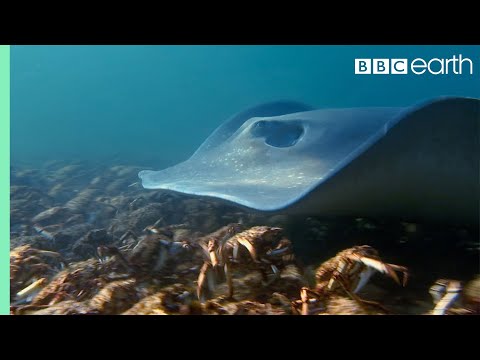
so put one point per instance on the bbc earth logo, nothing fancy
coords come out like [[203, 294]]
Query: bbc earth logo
[[456, 65]]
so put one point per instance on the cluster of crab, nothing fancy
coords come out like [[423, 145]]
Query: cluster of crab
[[148, 273], [267, 250]]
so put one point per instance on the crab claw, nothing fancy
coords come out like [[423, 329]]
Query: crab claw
[[250, 248], [445, 293], [388, 269]]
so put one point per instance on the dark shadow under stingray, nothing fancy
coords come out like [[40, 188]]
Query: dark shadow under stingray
[[419, 162]]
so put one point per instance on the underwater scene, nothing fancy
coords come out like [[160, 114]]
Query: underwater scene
[[244, 180]]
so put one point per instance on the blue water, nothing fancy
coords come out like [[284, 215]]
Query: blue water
[[154, 105]]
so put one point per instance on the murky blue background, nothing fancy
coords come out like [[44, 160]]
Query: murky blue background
[[154, 105]]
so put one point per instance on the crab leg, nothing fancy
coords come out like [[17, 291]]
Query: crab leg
[[360, 301], [338, 271], [128, 234], [105, 251], [201, 280], [205, 277], [212, 248], [304, 297], [235, 251], [158, 222], [308, 296], [138, 243], [228, 276], [276, 275], [31, 289]]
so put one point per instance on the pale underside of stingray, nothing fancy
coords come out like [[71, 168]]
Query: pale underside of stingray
[[413, 162]]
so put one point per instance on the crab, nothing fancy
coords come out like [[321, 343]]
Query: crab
[[130, 238], [244, 307], [451, 297], [28, 266], [91, 286], [114, 298], [80, 281], [259, 248], [173, 299], [346, 274], [153, 253], [170, 230]]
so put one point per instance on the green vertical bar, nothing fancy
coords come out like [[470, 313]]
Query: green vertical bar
[[4, 179]]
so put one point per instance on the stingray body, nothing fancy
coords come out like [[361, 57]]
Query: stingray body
[[419, 162]]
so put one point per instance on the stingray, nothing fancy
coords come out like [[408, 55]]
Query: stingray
[[418, 162]]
